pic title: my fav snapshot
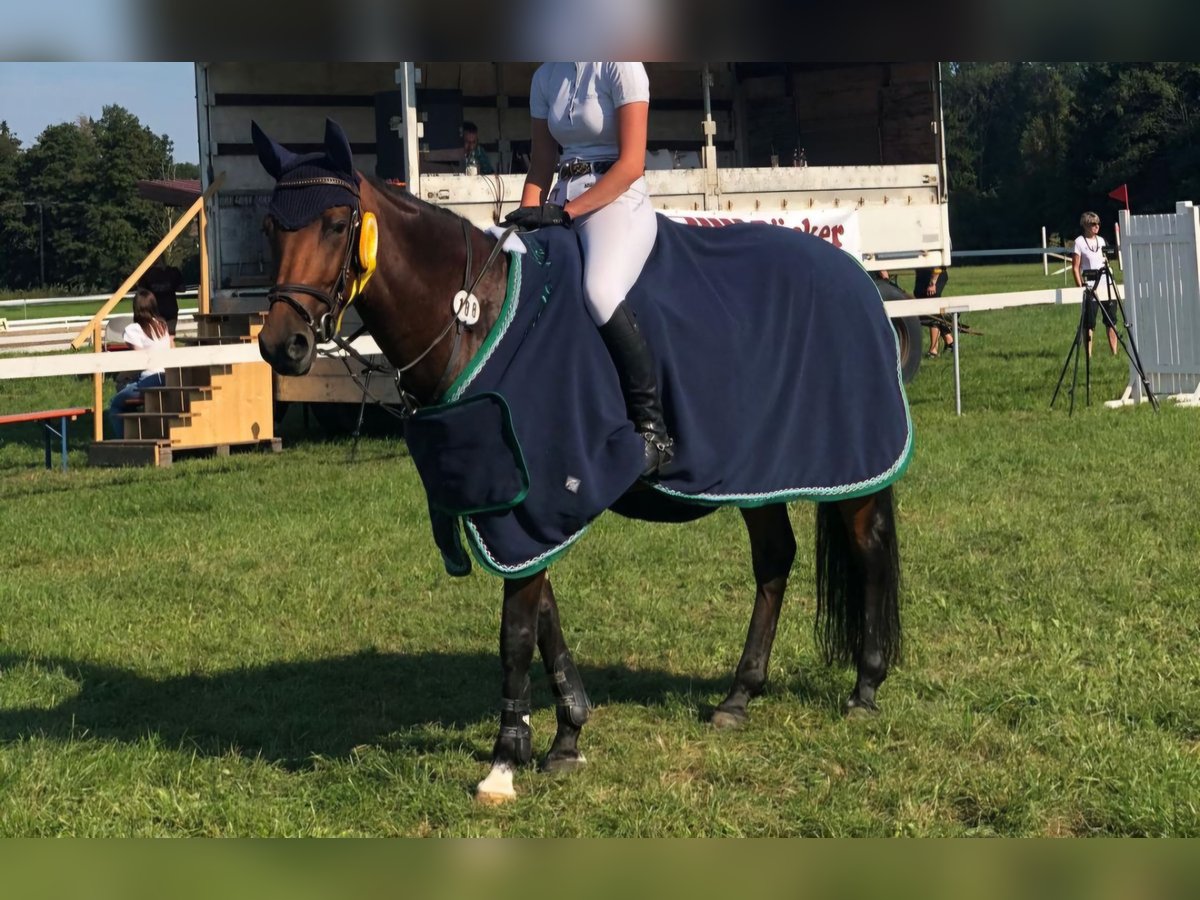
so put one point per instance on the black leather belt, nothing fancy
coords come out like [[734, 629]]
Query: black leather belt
[[576, 167]]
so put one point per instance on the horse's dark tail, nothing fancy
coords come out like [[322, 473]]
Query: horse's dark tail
[[843, 570]]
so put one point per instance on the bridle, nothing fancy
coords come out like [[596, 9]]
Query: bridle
[[345, 289], [326, 327]]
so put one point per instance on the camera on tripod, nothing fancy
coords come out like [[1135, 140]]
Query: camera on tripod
[[1109, 306], [1092, 277]]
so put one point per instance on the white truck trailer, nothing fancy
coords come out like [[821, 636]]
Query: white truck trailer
[[853, 152]]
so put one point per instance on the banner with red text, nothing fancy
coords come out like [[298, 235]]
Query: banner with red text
[[838, 226]]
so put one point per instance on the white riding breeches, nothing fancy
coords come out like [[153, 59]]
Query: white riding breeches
[[616, 240]]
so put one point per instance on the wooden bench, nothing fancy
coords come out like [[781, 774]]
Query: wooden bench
[[45, 418]]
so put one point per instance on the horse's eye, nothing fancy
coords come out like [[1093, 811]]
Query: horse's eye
[[339, 227]]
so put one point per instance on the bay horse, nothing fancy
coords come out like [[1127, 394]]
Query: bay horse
[[426, 255]]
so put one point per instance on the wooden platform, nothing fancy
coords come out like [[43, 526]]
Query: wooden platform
[[207, 409], [161, 454]]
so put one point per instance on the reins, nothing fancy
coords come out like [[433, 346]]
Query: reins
[[325, 328]]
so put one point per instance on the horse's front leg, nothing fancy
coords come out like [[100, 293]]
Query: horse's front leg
[[572, 699], [518, 635]]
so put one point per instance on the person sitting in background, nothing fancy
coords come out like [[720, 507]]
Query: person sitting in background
[[931, 282], [148, 331], [473, 153], [470, 158], [164, 282]]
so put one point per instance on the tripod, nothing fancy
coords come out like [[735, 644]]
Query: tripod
[[1079, 346]]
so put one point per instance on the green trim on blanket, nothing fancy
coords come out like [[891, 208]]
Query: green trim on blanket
[[508, 311], [529, 567], [815, 495]]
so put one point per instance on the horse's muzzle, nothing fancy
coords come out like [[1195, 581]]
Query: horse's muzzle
[[291, 356]]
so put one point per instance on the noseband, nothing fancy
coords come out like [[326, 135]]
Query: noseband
[[327, 325]]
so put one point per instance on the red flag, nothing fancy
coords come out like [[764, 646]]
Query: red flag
[[1121, 194]]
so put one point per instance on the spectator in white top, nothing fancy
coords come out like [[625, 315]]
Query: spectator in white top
[[599, 113], [1088, 256], [148, 331]]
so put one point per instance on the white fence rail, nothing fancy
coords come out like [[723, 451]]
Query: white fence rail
[[1161, 261], [89, 363], [86, 362]]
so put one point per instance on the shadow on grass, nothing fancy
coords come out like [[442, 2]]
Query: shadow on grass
[[291, 713], [298, 429]]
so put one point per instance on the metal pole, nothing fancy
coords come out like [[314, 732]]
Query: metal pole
[[708, 153], [42, 243], [1045, 258], [706, 91], [957, 374], [954, 311]]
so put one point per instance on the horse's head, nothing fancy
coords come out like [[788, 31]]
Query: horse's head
[[323, 244]]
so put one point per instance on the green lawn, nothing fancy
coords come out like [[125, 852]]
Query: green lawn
[[995, 279], [267, 645], [82, 308]]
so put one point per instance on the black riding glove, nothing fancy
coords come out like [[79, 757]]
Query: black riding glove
[[530, 217]]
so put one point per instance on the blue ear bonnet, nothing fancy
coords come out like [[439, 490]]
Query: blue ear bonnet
[[295, 207]]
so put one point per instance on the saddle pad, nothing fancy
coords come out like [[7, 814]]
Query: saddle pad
[[779, 371]]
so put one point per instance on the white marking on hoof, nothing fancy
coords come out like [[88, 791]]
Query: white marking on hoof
[[497, 787]]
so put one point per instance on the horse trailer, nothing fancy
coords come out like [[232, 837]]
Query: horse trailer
[[852, 152]]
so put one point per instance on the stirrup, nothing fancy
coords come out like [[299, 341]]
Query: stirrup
[[658, 453]]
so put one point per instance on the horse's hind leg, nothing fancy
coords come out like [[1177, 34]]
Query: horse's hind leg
[[518, 632], [858, 582], [772, 549], [572, 700]]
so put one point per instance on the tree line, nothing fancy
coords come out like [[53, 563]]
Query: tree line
[[70, 214], [1036, 144], [1028, 145]]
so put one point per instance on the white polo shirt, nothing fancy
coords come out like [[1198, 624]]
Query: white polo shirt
[[579, 100]]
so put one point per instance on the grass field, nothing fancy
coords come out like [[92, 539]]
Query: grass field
[[267, 645], [82, 308]]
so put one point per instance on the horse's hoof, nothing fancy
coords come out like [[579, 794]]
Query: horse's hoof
[[497, 788], [723, 720], [493, 798], [858, 711], [563, 765]]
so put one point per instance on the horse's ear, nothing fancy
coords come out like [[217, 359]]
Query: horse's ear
[[337, 147], [273, 155]]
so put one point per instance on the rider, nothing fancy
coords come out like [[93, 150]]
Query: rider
[[598, 112]]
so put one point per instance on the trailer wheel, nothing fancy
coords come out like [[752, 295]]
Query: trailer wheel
[[908, 333], [908, 329]]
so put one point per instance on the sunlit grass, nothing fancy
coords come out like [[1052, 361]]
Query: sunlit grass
[[78, 308], [268, 644]]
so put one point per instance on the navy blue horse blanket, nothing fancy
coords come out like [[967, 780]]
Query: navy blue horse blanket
[[780, 376]]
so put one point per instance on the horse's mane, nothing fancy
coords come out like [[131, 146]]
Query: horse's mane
[[406, 198]]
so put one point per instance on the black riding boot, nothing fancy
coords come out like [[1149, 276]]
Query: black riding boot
[[635, 367]]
